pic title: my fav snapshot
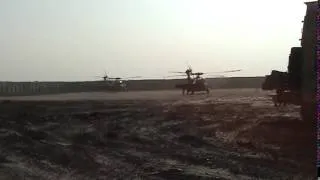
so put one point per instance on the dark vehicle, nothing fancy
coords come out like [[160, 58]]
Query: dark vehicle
[[301, 76], [277, 80], [305, 77]]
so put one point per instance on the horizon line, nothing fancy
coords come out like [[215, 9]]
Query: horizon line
[[159, 79]]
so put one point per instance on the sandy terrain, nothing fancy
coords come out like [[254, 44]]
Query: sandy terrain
[[230, 134]]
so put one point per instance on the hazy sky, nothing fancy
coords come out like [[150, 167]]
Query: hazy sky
[[79, 39]]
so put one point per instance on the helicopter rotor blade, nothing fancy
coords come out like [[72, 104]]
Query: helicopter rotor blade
[[189, 68], [127, 78], [101, 77], [174, 76], [176, 72], [216, 76], [133, 77], [237, 70]]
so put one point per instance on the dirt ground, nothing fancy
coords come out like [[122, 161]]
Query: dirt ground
[[229, 134]]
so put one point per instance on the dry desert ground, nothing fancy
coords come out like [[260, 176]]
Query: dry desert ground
[[229, 134]]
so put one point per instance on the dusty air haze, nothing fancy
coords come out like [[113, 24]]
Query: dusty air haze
[[76, 40]]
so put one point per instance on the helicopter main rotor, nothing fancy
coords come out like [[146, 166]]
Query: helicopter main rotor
[[189, 73], [105, 77]]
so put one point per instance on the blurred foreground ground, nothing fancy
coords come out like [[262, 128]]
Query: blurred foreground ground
[[230, 134]]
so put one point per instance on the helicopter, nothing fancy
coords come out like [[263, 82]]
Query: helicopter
[[195, 82], [117, 83]]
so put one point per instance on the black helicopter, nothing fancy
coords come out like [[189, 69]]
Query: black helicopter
[[117, 83], [195, 82]]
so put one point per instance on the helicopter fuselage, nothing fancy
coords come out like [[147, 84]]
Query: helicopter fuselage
[[117, 85], [194, 87]]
